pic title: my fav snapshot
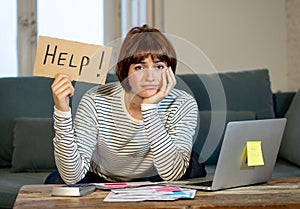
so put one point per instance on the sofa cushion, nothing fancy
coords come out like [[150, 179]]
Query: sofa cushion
[[290, 144], [210, 152], [11, 183], [283, 168], [21, 97], [248, 90], [33, 147]]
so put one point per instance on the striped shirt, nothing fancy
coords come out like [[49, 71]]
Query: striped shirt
[[106, 140]]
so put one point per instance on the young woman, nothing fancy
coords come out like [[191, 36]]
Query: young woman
[[136, 129]]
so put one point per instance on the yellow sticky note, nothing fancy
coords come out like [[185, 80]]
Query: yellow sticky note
[[254, 153]]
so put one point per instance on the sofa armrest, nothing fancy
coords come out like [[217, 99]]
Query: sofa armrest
[[282, 101]]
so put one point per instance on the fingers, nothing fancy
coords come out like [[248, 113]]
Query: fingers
[[168, 81], [62, 89], [63, 83], [171, 80]]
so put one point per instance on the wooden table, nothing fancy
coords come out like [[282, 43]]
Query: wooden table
[[277, 193]]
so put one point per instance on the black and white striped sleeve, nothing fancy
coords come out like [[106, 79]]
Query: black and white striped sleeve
[[171, 144], [73, 157]]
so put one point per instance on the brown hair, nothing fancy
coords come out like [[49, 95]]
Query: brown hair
[[139, 43]]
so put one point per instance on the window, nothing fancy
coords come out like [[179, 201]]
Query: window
[[69, 19], [139, 12], [75, 20], [134, 13], [8, 38]]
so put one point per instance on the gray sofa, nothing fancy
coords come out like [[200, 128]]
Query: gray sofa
[[26, 131]]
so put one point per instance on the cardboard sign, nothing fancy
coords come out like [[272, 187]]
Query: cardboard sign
[[83, 62]]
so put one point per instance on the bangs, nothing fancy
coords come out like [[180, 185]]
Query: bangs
[[141, 45], [137, 58]]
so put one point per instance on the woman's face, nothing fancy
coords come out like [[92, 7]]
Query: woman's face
[[145, 77]]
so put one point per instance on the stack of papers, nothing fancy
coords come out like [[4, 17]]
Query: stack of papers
[[123, 185], [128, 191], [150, 192]]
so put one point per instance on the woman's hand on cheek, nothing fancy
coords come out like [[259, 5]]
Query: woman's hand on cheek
[[168, 81]]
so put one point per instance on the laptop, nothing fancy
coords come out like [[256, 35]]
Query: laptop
[[233, 169]]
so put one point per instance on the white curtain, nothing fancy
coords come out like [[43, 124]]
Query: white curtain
[[27, 38], [139, 12]]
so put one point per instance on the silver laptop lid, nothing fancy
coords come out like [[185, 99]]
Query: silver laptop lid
[[232, 169]]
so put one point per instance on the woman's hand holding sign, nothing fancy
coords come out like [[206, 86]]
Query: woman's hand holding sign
[[62, 90]]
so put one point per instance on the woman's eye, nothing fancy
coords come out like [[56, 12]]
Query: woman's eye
[[138, 67], [160, 67]]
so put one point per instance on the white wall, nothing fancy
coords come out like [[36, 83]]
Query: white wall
[[293, 43], [235, 34]]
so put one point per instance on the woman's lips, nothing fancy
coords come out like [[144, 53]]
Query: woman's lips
[[149, 86]]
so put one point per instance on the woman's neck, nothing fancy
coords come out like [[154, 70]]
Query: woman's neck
[[133, 105]]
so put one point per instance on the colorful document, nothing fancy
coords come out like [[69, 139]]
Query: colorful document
[[158, 193]]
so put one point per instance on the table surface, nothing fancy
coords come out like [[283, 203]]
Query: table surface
[[277, 193]]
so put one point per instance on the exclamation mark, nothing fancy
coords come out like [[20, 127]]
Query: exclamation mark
[[101, 61]]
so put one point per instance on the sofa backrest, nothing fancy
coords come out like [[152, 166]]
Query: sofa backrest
[[248, 90], [248, 96], [21, 97]]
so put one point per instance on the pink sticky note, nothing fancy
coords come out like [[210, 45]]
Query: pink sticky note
[[168, 189], [117, 185]]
